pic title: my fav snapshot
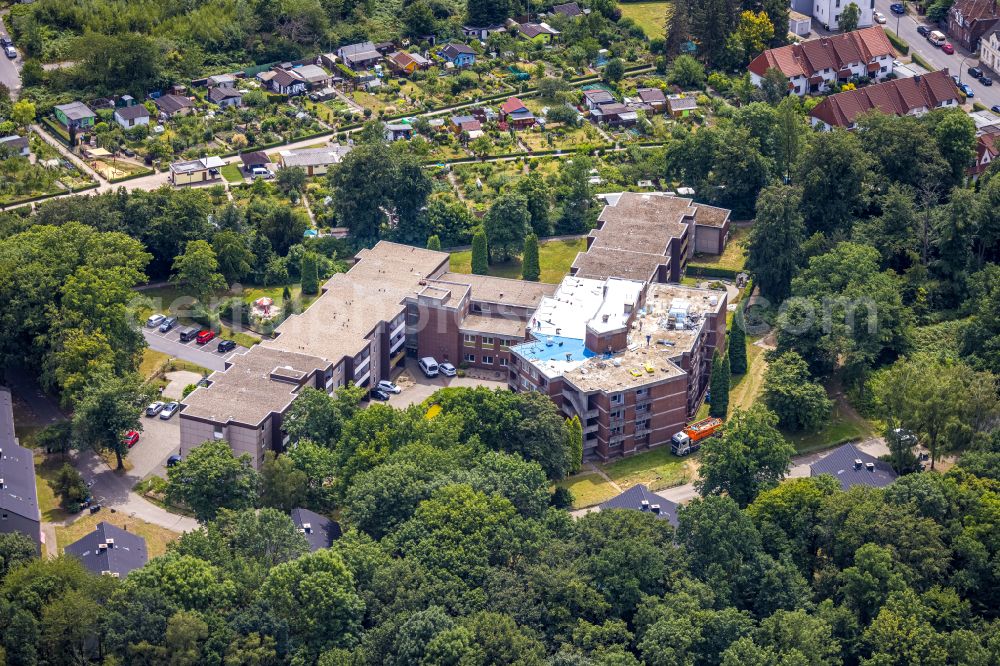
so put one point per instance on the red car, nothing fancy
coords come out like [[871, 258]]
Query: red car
[[948, 48], [131, 437], [204, 337]]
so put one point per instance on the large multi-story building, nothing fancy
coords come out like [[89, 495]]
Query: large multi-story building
[[631, 359], [399, 301]]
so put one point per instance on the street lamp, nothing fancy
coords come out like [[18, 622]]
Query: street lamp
[[961, 65]]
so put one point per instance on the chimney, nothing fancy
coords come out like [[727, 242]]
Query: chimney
[[101, 547], [857, 463], [870, 466], [655, 508], [110, 542], [1, 484], [307, 528], [644, 505]]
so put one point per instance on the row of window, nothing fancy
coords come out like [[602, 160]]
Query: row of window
[[485, 360], [485, 341]]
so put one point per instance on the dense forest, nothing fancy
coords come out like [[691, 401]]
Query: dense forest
[[453, 554]]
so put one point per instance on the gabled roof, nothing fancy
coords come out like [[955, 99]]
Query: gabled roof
[[110, 549], [318, 530], [220, 94], [897, 97], [599, 96], [843, 464], [18, 143], [640, 498], [532, 30], [975, 10], [284, 78], [75, 110], [17, 468], [652, 95], [836, 52], [132, 112], [453, 50], [171, 104], [570, 9], [512, 105], [256, 158]]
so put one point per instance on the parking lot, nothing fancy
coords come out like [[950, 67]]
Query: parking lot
[[203, 355], [158, 440], [416, 387]]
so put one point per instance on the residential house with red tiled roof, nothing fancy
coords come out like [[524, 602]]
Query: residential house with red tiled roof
[[516, 114], [902, 97], [815, 65], [987, 149], [970, 20]]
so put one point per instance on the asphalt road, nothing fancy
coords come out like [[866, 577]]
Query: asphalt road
[[204, 355], [10, 72], [957, 64]]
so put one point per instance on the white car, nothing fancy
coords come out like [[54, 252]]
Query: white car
[[388, 387], [169, 410], [155, 408], [447, 369], [879, 17], [155, 320], [429, 366]]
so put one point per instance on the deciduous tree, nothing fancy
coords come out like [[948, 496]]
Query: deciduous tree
[[211, 478], [106, 410]]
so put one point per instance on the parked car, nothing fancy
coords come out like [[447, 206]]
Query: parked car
[[128, 152], [388, 387], [168, 324], [173, 460], [879, 17], [155, 408], [379, 394], [188, 334], [986, 81], [967, 89], [261, 172], [155, 320], [10, 51], [948, 48], [5, 41], [130, 439], [975, 72], [897, 8], [448, 370], [995, 108], [226, 346], [169, 410], [429, 366], [204, 337], [924, 30], [937, 38]]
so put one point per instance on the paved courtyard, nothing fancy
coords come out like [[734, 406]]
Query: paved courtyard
[[417, 387]]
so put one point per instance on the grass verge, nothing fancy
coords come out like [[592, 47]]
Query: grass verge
[[46, 468], [733, 258], [658, 469]]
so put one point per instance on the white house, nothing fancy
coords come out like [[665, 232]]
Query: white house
[[131, 116], [815, 65], [828, 12]]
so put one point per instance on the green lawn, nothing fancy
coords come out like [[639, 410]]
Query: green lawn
[[588, 489], [658, 469], [732, 258], [650, 16], [45, 475], [232, 173], [554, 258]]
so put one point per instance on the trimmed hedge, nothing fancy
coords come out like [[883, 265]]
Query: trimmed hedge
[[901, 45], [711, 271]]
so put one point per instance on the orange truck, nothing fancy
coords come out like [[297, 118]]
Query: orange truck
[[689, 440]]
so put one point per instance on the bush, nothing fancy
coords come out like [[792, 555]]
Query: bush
[[71, 487], [187, 390], [897, 42]]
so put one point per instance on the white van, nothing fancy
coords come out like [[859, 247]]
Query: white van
[[429, 366], [936, 38], [261, 172]]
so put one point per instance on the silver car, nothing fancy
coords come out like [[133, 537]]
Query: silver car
[[155, 408], [169, 410]]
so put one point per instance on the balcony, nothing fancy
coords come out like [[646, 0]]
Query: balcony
[[397, 344], [590, 428], [359, 367], [398, 329], [363, 379], [590, 414]]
